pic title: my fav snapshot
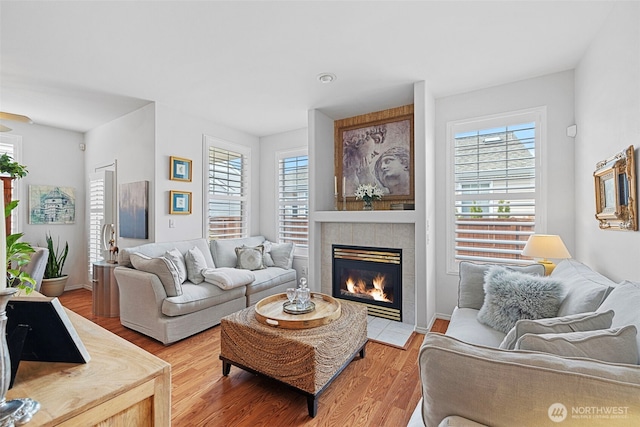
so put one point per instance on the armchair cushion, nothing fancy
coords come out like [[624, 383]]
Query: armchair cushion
[[177, 259], [278, 254], [585, 289], [511, 296], [624, 300], [196, 262], [162, 267], [616, 345], [250, 258], [573, 323]]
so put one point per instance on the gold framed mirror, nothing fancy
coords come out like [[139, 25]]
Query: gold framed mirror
[[615, 188]]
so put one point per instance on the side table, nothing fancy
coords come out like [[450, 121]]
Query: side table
[[106, 298]]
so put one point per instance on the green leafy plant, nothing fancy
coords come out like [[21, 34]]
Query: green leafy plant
[[56, 260], [18, 255], [9, 167]]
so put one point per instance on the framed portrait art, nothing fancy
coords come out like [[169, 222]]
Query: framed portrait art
[[376, 148], [180, 169], [180, 202], [615, 191]]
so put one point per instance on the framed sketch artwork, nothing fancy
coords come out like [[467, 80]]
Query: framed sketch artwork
[[376, 148], [50, 204], [179, 202], [615, 190], [180, 169]]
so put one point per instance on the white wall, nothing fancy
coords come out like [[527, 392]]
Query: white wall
[[179, 134], [269, 148], [608, 118], [129, 140], [53, 157], [554, 91]]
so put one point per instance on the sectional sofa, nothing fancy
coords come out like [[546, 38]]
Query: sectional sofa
[[579, 368], [173, 290]]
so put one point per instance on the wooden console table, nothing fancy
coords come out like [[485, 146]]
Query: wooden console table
[[121, 385]]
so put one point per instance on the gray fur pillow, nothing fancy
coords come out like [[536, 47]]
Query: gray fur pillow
[[511, 296]]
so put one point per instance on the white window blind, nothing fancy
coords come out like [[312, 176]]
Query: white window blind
[[100, 213], [227, 204], [293, 200], [494, 190]]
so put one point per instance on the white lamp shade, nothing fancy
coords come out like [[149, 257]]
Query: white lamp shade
[[545, 246]]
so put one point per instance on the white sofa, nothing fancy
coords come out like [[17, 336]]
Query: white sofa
[[147, 307], [468, 380]]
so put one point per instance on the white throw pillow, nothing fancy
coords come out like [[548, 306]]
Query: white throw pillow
[[573, 323], [278, 254], [178, 260], [195, 261], [228, 278], [162, 267], [617, 345]]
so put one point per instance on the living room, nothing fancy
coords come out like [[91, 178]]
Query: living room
[[595, 87]]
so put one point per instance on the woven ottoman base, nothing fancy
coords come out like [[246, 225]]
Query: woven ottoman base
[[305, 359]]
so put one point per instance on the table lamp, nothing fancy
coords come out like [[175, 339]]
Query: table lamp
[[546, 246]]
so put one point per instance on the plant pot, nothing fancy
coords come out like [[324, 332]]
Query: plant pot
[[53, 287]]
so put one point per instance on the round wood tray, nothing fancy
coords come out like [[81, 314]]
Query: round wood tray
[[270, 312]]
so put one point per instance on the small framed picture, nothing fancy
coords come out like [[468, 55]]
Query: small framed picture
[[180, 202], [180, 169]]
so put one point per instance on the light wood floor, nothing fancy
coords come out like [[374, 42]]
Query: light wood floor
[[380, 390]]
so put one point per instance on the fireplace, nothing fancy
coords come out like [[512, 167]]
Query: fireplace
[[371, 276]]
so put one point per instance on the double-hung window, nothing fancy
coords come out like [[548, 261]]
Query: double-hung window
[[494, 187], [293, 199], [228, 190]]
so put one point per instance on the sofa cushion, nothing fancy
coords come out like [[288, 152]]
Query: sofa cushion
[[198, 297], [250, 258], [196, 262], [158, 249], [464, 326], [269, 278], [228, 278], [624, 300], [162, 267], [511, 296], [224, 250], [471, 286], [616, 345], [572, 323], [278, 254], [585, 288], [177, 259]]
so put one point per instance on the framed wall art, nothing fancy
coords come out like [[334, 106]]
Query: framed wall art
[[180, 202], [376, 148], [133, 210], [52, 205], [615, 191], [180, 169]]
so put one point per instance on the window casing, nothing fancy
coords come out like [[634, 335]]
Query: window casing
[[293, 199], [12, 145], [227, 188], [494, 187]]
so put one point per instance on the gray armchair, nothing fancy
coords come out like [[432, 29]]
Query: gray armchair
[[35, 268]]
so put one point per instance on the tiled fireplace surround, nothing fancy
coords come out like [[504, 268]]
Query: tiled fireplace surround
[[385, 235]]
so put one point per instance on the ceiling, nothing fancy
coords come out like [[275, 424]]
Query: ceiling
[[253, 66]]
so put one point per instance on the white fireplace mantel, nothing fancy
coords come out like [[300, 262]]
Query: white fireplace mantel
[[392, 217]]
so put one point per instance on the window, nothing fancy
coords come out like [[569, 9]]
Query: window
[[12, 146], [493, 187], [101, 212], [227, 204], [293, 198]]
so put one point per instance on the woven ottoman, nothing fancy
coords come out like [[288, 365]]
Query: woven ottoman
[[305, 359]]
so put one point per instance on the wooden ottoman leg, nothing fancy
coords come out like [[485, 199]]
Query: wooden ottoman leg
[[312, 404], [226, 368]]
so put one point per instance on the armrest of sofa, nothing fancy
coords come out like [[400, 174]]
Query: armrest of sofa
[[139, 288], [499, 387]]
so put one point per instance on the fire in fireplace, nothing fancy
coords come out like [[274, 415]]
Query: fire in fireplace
[[372, 276]]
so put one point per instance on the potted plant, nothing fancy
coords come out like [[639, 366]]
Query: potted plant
[[54, 280], [18, 255]]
